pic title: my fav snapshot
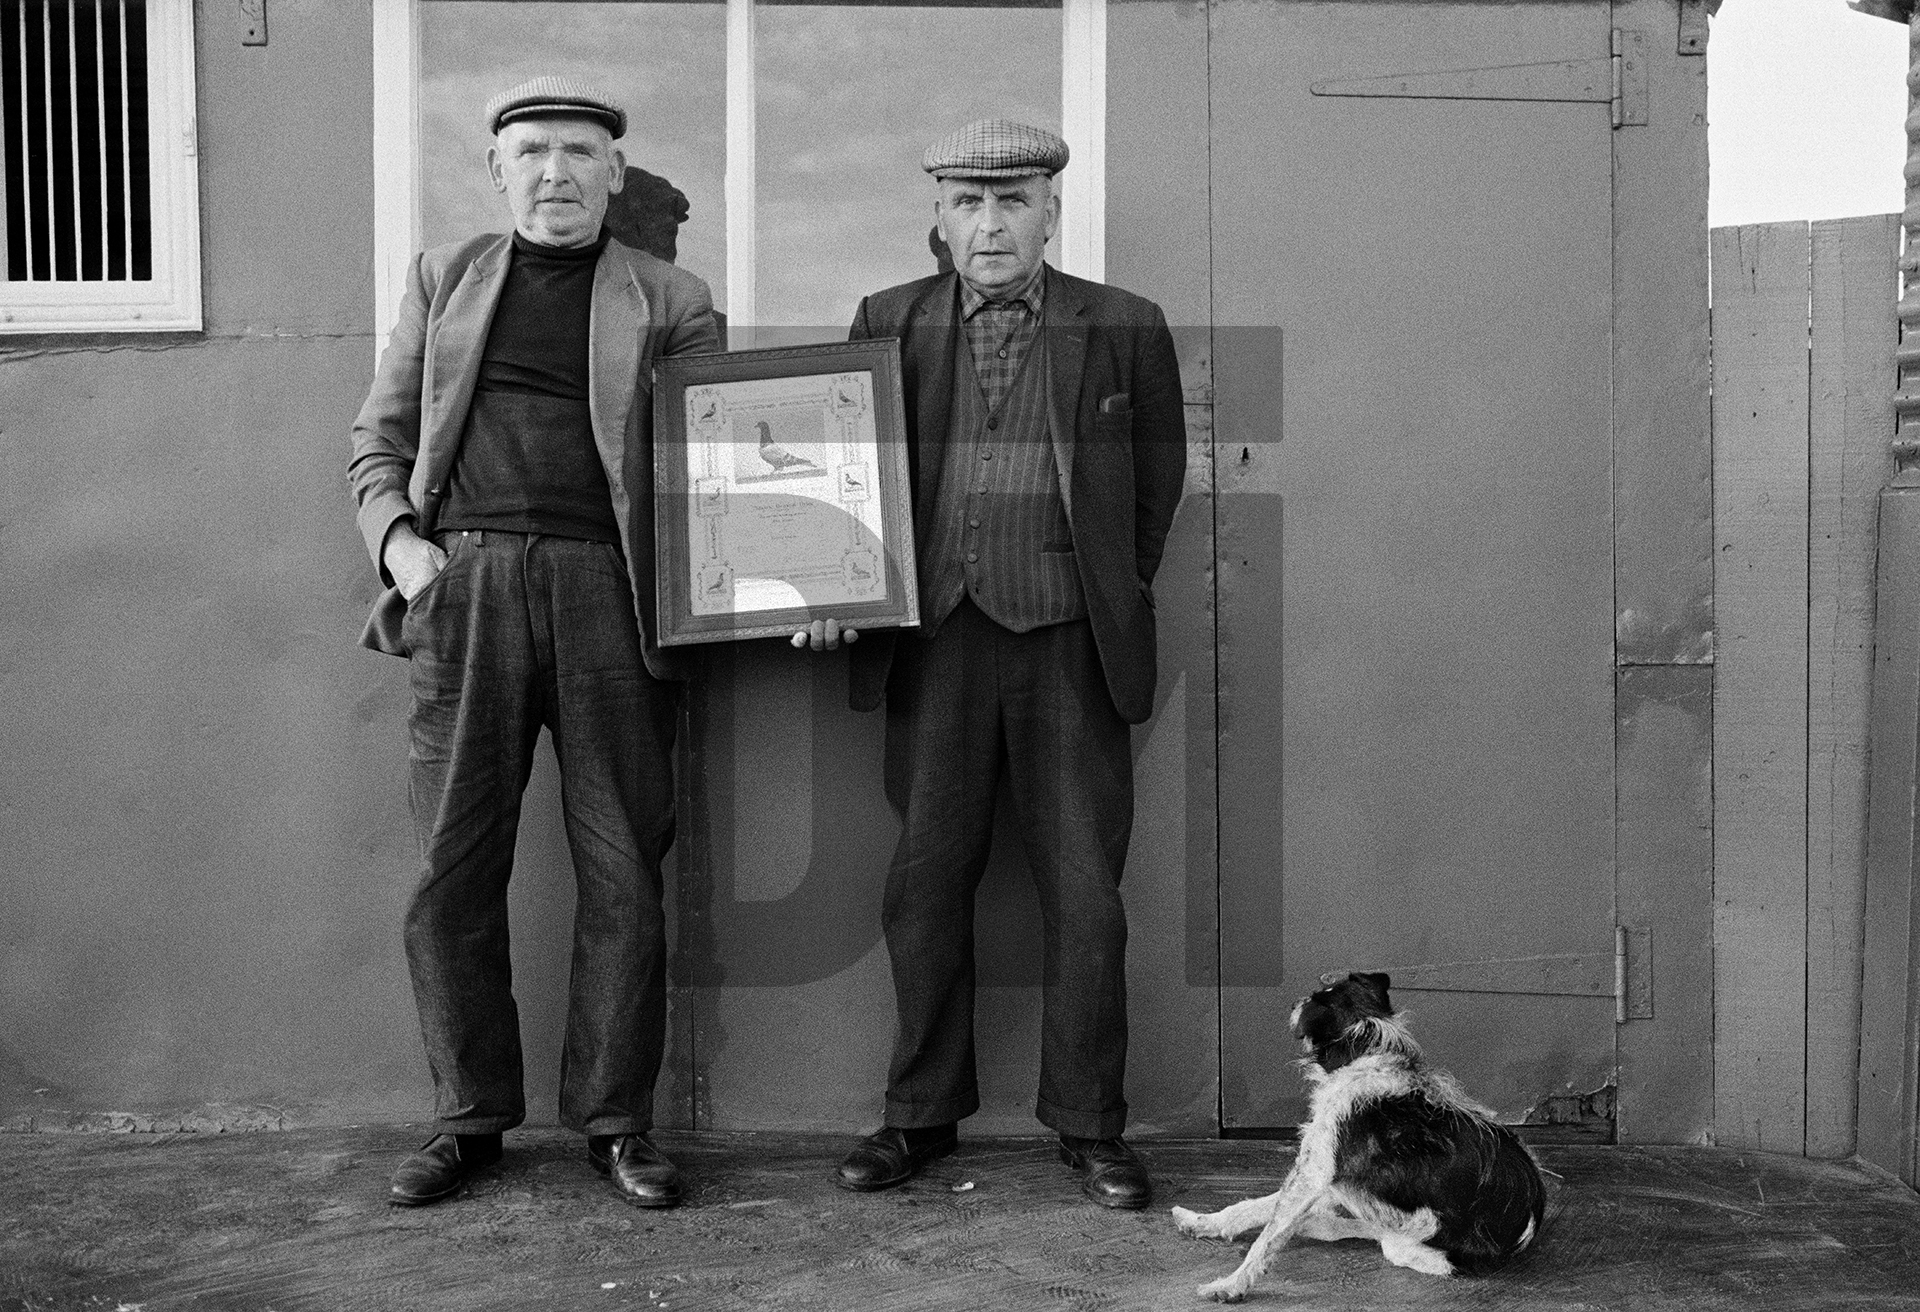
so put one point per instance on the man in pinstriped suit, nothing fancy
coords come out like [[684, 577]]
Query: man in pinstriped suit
[[1047, 453]]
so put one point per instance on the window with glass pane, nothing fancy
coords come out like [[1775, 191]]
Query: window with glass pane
[[849, 96], [845, 98], [665, 62]]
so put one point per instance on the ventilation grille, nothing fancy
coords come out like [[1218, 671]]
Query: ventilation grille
[[73, 78]]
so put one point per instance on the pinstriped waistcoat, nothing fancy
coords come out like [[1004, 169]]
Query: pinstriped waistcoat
[[1000, 533]]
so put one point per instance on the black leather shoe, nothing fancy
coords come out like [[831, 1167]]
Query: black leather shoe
[[641, 1172], [439, 1167], [891, 1156], [1110, 1174]]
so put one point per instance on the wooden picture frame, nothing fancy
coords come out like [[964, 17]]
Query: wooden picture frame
[[780, 492]]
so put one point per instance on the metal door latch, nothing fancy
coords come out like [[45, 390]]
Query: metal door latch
[[1619, 81], [1624, 974]]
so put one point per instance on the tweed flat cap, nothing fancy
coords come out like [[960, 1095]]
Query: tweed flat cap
[[555, 95], [996, 148]]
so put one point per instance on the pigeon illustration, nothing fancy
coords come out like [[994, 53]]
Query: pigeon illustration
[[775, 454]]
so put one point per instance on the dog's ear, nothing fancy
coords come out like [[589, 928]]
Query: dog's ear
[[1377, 983]]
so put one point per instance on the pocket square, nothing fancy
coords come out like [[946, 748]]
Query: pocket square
[[1115, 404]]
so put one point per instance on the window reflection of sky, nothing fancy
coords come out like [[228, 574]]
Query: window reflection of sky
[[849, 96], [666, 63]]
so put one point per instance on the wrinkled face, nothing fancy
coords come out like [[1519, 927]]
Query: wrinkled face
[[556, 174], [997, 228]]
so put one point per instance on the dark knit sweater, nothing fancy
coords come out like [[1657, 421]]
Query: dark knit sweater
[[527, 461]]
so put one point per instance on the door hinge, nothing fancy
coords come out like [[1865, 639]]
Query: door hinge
[[1625, 974], [1618, 81], [1632, 973], [1629, 78]]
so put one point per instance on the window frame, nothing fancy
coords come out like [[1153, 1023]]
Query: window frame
[[396, 153], [171, 300]]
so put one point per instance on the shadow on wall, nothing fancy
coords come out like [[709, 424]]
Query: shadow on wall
[[647, 213]]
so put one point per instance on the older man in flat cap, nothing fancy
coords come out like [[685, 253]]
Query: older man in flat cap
[[1048, 450], [503, 468]]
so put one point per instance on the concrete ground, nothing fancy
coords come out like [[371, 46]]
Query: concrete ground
[[298, 1220]]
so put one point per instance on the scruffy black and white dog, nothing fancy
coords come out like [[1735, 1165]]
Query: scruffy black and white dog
[[1393, 1150]]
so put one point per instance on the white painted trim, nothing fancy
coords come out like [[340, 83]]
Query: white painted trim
[[1083, 122], [741, 180], [396, 157], [171, 301]]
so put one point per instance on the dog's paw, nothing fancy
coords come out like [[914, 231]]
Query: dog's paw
[[1190, 1223], [1225, 1290]]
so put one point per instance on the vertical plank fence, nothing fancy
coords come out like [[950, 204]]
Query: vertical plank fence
[[1761, 286], [1889, 1117], [1850, 419], [1803, 336]]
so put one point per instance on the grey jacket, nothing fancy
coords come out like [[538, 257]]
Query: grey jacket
[[408, 432]]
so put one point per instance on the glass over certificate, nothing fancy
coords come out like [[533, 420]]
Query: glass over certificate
[[782, 499]]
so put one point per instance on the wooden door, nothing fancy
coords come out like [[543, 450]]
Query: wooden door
[[1415, 536]]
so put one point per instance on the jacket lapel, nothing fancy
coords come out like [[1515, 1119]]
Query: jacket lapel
[[933, 336], [621, 317], [1066, 357], [459, 342]]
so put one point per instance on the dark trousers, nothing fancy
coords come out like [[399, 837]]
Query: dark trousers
[[520, 631], [974, 701]]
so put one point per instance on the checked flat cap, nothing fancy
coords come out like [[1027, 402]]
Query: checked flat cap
[[555, 95], [996, 148]]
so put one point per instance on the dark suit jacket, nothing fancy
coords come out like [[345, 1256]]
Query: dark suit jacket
[[1119, 440], [408, 433]]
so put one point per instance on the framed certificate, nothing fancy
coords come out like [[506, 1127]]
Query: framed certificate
[[780, 483]]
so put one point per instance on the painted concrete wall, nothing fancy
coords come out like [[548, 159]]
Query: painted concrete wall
[[790, 1008], [202, 778], [203, 844]]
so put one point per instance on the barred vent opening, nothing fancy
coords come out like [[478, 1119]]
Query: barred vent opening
[[73, 82]]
